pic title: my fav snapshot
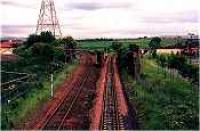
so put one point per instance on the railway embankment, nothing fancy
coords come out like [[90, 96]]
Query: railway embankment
[[69, 108], [110, 111], [97, 109]]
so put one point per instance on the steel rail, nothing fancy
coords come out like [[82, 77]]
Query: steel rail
[[73, 102], [111, 118], [80, 85]]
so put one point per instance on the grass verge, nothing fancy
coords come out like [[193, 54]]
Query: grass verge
[[15, 112], [162, 101]]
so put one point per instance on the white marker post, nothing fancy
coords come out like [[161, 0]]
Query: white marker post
[[52, 86]]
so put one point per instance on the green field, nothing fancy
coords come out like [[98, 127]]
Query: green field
[[107, 44], [162, 101]]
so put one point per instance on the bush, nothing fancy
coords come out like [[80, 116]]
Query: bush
[[47, 37], [32, 39], [116, 45], [180, 63], [155, 43], [154, 54], [162, 60], [133, 47], [176, 61]]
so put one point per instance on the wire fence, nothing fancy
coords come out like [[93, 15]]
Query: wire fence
[[15, 85]]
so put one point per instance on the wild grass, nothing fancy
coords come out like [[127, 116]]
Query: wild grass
[[164, 101], [16, 111]]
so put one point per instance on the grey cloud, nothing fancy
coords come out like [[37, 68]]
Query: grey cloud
[[182, 17], [16, 29], [96, 6], [16, 4]]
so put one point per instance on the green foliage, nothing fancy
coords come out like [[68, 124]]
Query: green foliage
[[175, 61], [129, 59], [101, 44], [17, 111], [59, 55], [40, 58], [43, 50], [155, 43], [57, 43], [46, 37], [33, 38], [161, 100], [162, 60], [69, 45], [116, 45], [154, 54], [69, 42], [22, 51], [180, 63], [179, 41], [133, 47]]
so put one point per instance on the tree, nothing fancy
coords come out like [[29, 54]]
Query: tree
[[57, 42], [69, 45], [133, 60], [116, 45], [179, 41], [162, 59], [154, 54], [46, 37], [44, 53], [69, 42], [133, 47], [33, 38], [155, 43], [42, 50], [176, 61]]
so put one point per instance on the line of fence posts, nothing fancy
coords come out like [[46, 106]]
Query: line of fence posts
[[167, 71]]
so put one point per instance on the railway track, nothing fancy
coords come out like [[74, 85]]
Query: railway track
[[111, 119], [57, 121]]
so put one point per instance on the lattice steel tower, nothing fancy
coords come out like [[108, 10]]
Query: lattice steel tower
[[48, 20]]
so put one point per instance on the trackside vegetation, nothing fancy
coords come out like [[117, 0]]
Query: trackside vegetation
[[180, 63], [161, 100], [40, 56], [15, 113]]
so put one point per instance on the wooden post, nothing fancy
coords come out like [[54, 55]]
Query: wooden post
[[52, 86]]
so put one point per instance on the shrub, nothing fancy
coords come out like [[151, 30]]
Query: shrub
[[116, 45]]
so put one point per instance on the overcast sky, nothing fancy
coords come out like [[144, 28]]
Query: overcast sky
[[105, 18]]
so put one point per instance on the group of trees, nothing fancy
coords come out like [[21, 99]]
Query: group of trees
[[116, 45], [130, 60], [46, 37], [180, 63], [47, 50], [40, 55], [128, 57], [154, 43]]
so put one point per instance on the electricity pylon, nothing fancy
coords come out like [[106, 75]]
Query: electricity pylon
[[48, 20]]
